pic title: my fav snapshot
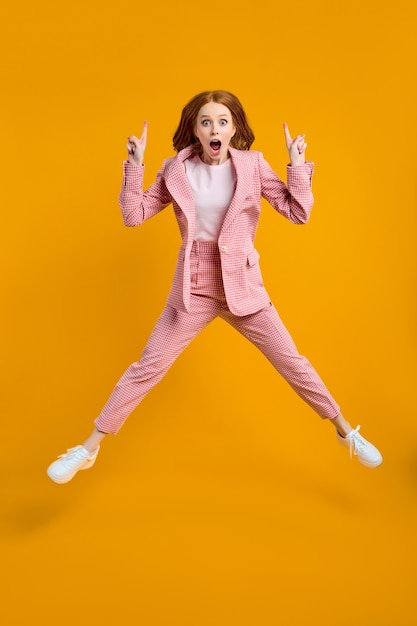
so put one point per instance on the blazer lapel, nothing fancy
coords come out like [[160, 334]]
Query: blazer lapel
[[178, 185], [243, 187]]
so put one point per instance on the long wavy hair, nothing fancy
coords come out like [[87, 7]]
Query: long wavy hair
[[185, 134]]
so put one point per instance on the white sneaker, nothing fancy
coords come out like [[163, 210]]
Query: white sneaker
[[68, 464], [366, 452]]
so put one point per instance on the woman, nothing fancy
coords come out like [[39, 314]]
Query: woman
[[215, 184]]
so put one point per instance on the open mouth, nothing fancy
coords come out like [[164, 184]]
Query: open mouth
[[215, 145]]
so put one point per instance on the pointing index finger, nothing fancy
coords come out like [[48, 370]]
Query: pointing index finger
[[287, 133]]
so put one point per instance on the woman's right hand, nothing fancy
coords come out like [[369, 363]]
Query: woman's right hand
[[136, 147]]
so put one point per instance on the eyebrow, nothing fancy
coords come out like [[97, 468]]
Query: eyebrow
[[222, 115]]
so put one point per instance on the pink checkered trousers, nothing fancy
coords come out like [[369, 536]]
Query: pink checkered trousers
[[175, 329]]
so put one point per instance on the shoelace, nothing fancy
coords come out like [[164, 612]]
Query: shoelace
[[355, 442], [72, 454]]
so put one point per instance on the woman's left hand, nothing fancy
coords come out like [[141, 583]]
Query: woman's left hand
[[296, 147]]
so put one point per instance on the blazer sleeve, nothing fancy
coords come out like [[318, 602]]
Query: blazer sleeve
[[138, 205], [294, 200]]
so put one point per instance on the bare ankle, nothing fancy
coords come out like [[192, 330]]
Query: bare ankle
[[342, 426], [93, 442]]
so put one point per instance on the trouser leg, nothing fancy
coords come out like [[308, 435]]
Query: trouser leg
[[172, 334], [268, 333]]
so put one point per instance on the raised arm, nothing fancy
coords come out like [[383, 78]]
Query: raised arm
[[295, 199], [138, 205]]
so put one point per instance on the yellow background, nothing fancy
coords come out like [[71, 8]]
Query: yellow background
[[224, 501]]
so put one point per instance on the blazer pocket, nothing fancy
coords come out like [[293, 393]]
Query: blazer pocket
[[253, 257]]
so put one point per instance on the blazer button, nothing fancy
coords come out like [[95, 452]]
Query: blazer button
[[223, 248]]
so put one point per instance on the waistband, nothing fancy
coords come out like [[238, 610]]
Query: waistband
[[205, 247]]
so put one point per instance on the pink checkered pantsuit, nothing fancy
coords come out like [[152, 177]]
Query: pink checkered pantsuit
[[176, 328]]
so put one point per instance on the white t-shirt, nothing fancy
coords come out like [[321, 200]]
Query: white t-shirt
[[213, 187]]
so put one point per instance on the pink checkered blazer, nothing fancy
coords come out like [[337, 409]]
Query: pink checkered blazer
[[243, 284]]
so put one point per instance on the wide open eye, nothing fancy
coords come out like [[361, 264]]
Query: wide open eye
[[223, 122], [205, 123]]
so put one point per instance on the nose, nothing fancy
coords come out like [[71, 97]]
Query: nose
[[214, 130]]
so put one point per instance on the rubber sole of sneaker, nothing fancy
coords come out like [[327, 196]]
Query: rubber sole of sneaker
[[369, 463]]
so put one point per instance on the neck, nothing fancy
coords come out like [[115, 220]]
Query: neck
[[217, 161]]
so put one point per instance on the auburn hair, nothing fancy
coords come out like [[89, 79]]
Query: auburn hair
[[185, 134]]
